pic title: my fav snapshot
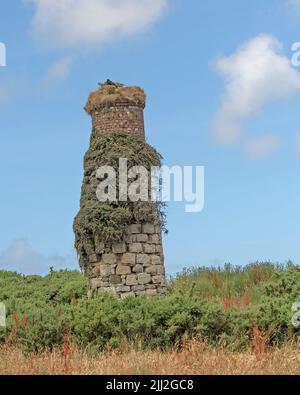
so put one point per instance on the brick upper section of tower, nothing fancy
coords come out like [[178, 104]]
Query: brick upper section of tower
[[115, 108]]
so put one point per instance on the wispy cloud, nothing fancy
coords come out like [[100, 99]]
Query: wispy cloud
[[92, 23], [22, 258], [263, 146], [257, 74], [58, 71]]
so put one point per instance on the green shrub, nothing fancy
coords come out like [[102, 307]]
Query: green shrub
[[41, 310]]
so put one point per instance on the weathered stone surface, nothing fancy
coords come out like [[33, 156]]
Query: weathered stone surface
[[128, 239], [95, 272], [156, 260], [158, 249], [93, 258], [122, 269], [160, 270], [154, 239], [144, 278], [151, 270], [143, 259], [119, 248], [138, 269], [148, 228], [134, 229], [105, 269], [110, 259], [113, 268], [138, 288], [151, 286], [128, 259], [131, 279], [151, 292], [109, 290], [95, 282], [135, 247], [122, 288], [115, 279], [142, 238], [158, 279], [149, 248]]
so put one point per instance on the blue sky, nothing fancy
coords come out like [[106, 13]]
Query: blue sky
[[222, 93]]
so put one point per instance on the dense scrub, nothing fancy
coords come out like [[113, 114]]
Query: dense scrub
[[217, 306]]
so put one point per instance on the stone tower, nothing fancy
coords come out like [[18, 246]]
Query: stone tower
[[133, 264]]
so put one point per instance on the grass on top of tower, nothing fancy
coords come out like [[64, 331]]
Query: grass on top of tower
[[109, 94]]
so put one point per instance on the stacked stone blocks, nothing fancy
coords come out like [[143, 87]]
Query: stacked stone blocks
[[131, 268]]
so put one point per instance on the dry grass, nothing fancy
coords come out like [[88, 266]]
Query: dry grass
[[110, 94], [194, 360]]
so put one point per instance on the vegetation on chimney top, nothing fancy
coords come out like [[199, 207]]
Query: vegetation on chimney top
[[110, 94], [99, 222]]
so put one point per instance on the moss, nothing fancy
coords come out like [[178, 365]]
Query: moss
[[108, 221]]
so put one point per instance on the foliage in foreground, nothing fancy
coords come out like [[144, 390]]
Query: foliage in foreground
[[216, 306]]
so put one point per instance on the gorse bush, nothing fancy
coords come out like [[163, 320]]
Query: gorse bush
[[201, 303]]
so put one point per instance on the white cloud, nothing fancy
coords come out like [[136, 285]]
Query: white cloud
[[59, 70], [22, 258], [256, 74], [91, 23], [262, 146]]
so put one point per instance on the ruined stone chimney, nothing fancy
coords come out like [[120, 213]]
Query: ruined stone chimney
[[134, 265]]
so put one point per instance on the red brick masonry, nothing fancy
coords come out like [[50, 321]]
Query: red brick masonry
[[119, 118]]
